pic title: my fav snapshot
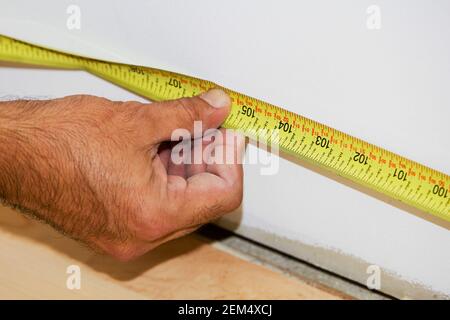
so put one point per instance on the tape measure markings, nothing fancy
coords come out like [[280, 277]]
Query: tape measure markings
[[345, 155]]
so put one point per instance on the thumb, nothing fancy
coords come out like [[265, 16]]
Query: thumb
[[211, 108]]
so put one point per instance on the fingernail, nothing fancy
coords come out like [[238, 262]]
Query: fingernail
[[216, 98]]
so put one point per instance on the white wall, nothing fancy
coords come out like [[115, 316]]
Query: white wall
[[317, 58]]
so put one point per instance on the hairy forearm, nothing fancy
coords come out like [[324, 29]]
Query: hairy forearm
[[14, 144], [36, 167], [95, 169]]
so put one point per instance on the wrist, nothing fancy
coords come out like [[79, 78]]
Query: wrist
[[17, 140]]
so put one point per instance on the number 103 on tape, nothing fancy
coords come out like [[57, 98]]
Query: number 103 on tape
[[361, 162]]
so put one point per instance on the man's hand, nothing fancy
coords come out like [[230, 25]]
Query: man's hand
[[101, 172]]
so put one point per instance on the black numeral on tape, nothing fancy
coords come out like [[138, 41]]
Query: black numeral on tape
[[361, 158], [400, 174], [249, 112], [174, 83], [286, 127], [440, 191], [323, 142]]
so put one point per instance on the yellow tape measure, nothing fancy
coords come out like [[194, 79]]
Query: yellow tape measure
[[366, 164]]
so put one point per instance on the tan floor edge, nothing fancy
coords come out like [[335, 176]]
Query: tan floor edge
[[34, 261]]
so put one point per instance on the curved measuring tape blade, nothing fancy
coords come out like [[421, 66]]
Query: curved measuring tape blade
[[366, 164]]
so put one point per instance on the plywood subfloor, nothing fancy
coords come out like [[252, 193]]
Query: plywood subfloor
[[34, 260]]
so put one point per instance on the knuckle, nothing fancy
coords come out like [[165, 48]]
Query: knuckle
[[235, 202], [133, 111], [189, 109], [86, 99], [207, 213], [230, 200], [235, 197]]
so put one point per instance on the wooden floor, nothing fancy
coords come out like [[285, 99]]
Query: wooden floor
[[34, 261]]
